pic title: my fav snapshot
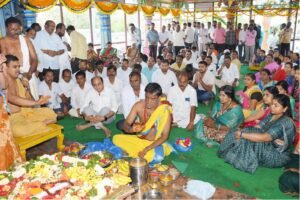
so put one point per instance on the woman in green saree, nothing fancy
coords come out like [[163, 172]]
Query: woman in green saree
[[108, 53], [267, 144], [226, 114]]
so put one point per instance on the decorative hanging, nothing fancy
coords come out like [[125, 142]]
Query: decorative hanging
[[77, 6], [175, 12], [148, 10], [164, 11], [106, 7], [38, 5], [3, 3], [129, 9]]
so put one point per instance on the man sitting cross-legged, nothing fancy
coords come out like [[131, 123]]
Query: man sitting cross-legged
[[152, 130], [24, 119], [99, 107]]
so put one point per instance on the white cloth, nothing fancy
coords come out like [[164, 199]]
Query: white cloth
[[242, 37], [166, 81], [25, 55], [66, 87], [144, 79], [135, 37], [200, 189], [116, 87], [203, 36], [177, 38], [34, 87], [229, 74], [103, 74], [212, 68], [128, 98], [209, 79], [189, 33], [63, 59], [54, 92], [182, 101], [78, 95], [44, 41], [191, 61], [97, 101], [195, 55], [211, 32], [163, 36], [272, 41], [124, 75]]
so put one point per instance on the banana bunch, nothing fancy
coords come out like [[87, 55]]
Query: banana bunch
[[120, 179], [123, 167], [161, 167]]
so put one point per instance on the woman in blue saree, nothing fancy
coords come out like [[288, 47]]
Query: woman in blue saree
[[226, 114], [266, 144]]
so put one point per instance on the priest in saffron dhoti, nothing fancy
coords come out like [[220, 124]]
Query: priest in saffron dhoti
[[151, 120]]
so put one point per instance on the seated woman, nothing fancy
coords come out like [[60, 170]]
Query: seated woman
[[258, 60], [266, 144], [226, 115], [132, 53], [282, 87], [91, 54], [265, 79], [255, 118], [251, 96], [107, 53], [296, 92], [270, 64]]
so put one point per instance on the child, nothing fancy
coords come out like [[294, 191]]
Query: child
[[258, 60]]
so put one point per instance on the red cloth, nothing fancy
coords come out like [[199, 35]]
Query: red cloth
[[279, 74]]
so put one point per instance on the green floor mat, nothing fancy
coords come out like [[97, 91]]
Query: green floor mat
[[200, 163]]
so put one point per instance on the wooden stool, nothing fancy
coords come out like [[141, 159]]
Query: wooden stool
[[32, 140]]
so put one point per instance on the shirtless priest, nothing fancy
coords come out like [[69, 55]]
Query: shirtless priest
[[26, 117]]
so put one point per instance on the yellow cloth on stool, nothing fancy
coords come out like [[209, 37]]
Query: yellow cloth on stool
[[133, 144], [30, 121]]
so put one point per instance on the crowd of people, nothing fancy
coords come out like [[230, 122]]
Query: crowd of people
[[44, 75]]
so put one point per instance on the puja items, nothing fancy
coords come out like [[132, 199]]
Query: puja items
[[138, 171], [183, 144], [166, 179], [152, 194]]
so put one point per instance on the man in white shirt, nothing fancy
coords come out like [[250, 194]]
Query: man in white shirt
[[242, 41], [163, 39], [123, 72], [204, 81], [189, 36], [83, 67], [138, 68], [79, 47], [99, 107], [114, 83], [183, 98], [178, 40], [100, 69], [210, 65], [49, 88], [211, 30], [189, 59], [229, 74], [135, 36], [49, 48], [63, 59], [202, 38], [132, 93], [164, 77], [66, 85], [79, 93]]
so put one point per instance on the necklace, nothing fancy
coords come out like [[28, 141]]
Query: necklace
[[226, 108]]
